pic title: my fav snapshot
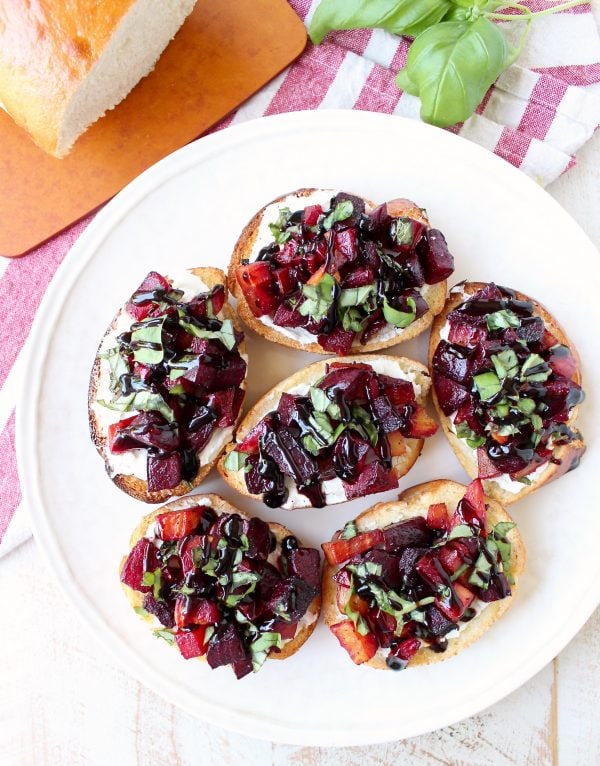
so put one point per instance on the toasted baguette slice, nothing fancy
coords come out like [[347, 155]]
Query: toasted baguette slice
[[413, 502], [220, 506], [252, 239], [133, 484], [564, 456], [404, 368]]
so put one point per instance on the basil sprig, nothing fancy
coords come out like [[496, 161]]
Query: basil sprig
[[141, 401], [458, 51]]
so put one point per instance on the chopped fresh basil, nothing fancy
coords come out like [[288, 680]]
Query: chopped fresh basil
[[365, 568], [333, 410], [481, 573], [460, 530], [197, 555], [508, 429], [118, 366], [500, 320], [352, 319], [237, 461], [261, 647], [278, 227], [364, 425], [144, 400], [404, 233], [340, 212], [311, 445], [359, 621], [462, 568], [318, 298], [166, 635], [536, 422], [356, 296], [526, 406], [384, 601], [141, 611], [502, 409], [349, 531], [525, 479], [535, 369], [148, 578], [399, 318], [506, 364], [183, 364], [244, 543], [488, 385], [239, 580], [320, 400], [226, 334], [146, 341], [185, 590], [473, 440]]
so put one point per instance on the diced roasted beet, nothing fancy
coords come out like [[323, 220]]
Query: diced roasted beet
[[342, 577], [139, 308], [409, 558], [531, 329], [286, 279], [467, 335], [375, 478], [419, 424], [198, 439], [382, 625], [344, 249], [291, 597], [450, 394], [288, 317], [191, 643], [450, 557], [216, 373], [340, 550], [437, 260], [290, 457], [259, 482], [339, 341], [150, 429], [175, 525], [387, 416], [259, 539], [427, 569], [561, 394], [242, 667], [359, 277], [285, 629], [195, 611], [471, 509], [118, 439], [466, 413], [437, 516], [358, 207], [286, 408], [186, 551], [452, 361], [562, 362], [496, 590], [389, 563], [225, 647], [348, 379], [454, 608], [504, 459], [406, 650], [398, 391], [250, 442], [162, 610], [311, 214], [306, 564], [225, 404], [486, 468], [360, 648], [133, 569], [410, 533], [269, 580], [437, 622], [349, 455], [256, 282]]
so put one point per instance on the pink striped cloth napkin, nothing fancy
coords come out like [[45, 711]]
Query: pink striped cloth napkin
[[540, 112]]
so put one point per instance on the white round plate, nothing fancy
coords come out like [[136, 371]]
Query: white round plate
[[188, 211]]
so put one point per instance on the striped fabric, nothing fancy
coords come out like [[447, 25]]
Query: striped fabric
[[536, 117]]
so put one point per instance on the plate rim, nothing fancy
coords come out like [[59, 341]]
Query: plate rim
[[65, 278]]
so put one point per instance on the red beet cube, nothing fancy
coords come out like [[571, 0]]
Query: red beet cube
[[285, 629], [225, 647], [472, 507], [437, 516], [450, 557], [359, 277], [406, 534], [426, 567], [287, 317], [420, 425], [406, 649], [178, 524], [195, 611], [436, 259], [191, 643], [306, 564], [311, 214], [286, 280], [486, 468], [117, 441], [398, 391], [453, 610], [342, 550], [374, 478], [349, 379], [337, 342], [360, 648], [451, 395], [226, 405], [133, 569], [154, 281], [256, 282]]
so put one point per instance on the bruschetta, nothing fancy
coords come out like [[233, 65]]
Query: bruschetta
[[416, 581], [332, 273], [507, 385], [332, 432], [220, 585], [167, 384]]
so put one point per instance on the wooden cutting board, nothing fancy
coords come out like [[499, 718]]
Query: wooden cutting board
[[224, 53]]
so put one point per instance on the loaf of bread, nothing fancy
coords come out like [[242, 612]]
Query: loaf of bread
[[63, 65]]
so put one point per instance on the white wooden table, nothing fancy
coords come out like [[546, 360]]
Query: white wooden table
[[64, 701]]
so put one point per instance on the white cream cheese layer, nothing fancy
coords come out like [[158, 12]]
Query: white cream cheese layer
[[264, 237], [133, 462]]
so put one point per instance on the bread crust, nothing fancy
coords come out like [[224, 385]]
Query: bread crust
[[565, 453], [134, 485], [400, 464], [221, 506], [435, 294], [414, 502]]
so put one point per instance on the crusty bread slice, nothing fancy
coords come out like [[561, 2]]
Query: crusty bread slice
[[415, 502], [247, 248], [221, 507], [63, 65], [134, 485], [563, 455], [400, 464]]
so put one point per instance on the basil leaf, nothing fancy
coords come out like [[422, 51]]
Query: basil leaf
[[473, 440], [118, 366], [500, 320], [278, 227], [340, 212], [226, 334], [149, 334], [502, 528], [349, 531], [402, 17], [181, 365], [359, 621], [148, 578], [535, 369], [260, 648], [450, 67], [399, 318], [311, 445], [526, 406], [364, 425], [488, 385], [320, 400], [506, 364], [141, 611], [166, 635], [356, 296], [460, 530], [236, 461], [143, 401], [334, 411], [318, 298]]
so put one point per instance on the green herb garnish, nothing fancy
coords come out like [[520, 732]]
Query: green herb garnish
[[278, 228], [318, 298], [488, 385], [340, 212], [226, 334], [399, 318], [237, 461], [146, 341]]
